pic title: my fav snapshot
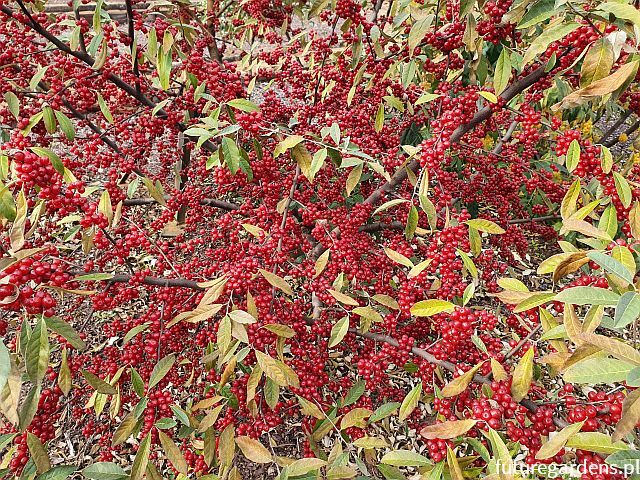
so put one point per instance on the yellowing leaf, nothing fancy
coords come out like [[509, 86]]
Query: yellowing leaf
[[253, 450], [410, 402], [484, 225], [630, 415], [558, 441], [447, 430], [522, 376], [398, 257], [460, 384], [338, 331], [427, 308], [276, 281], [321, 263], [355, 418]]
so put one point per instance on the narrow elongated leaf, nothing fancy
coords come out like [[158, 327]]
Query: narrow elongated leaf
[[410, 402], [105, 471], [522, 376], [596, 442], [558, 441], [98, 384], [37, 354], [598, 370], [65, 330], [588, 296], [141, 459], [173, 453], [427, 308], [161, 369], [338, 331], [447, 430], [253, 450]]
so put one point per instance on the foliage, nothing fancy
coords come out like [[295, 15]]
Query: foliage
[[226, 224]]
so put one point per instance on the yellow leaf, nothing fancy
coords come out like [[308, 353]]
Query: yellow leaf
[[630, 416], [253, 450], [558, 441], [321, 263], [460, 384], [447, 430], [355, 418], [522, 376], [276, 281]]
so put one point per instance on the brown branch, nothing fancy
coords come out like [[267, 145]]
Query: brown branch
[[149, 280], [419, 352], [623, 118], [632, 128], [210, 202], [482, 115], [90, 61], [132, 37]]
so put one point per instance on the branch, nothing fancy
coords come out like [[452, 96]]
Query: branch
[[210, 202], [632, 128], [480, 116], [90, 61], [623, 118], [148, 280], [419, 352]]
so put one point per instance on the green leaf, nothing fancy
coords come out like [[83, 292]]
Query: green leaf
[[354, 393], [597, 62], [161, 369], [35, 80], [609, 221], [38, 453], [548, 36], [141, 460], [588, 296], [623, 189], [338, 331], [412, 222], [135, 331], [13, 103], [379, 121], [418, 30], [503, 71], [231, 154], [5, 366], [58, 473], [98, 384], [7, 203], [621, 10], [65, 330], [37, 354], [104, 108], [573, 156], [29, 407], [410, 402], [55, 160], [49, 119], [65, 125], [105, 471], [384, 411], [404, 458], [611, 265], [627, 310], [596, 442], [538, 13], [243, 104], [597, 370], [626, 460]]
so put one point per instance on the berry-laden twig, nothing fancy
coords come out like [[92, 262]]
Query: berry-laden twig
[[527, 403]]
